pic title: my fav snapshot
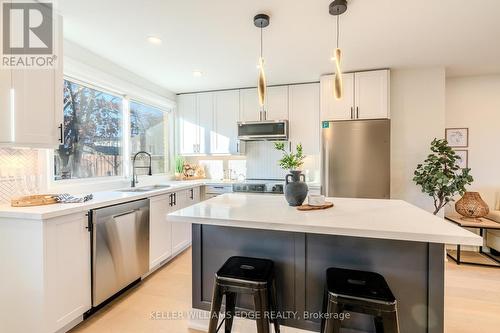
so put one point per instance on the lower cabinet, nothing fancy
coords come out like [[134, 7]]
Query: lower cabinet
[[67, 269], [160, 230], [45, 273], [181, 231], [168, 238]]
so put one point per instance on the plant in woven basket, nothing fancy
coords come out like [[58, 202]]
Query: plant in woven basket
[[290, 161], [440, 176]]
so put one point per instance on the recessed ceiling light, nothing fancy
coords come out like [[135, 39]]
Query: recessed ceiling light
[[197, 73], [154, 40]]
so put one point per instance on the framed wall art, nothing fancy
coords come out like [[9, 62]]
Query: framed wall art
[[457, 137]]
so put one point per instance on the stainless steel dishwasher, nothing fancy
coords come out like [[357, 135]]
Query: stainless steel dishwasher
[[120, 247]]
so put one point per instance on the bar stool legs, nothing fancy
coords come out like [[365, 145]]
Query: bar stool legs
[[215, 308], [230, 308]]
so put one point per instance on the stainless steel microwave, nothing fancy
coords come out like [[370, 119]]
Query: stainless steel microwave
[[263, 130]]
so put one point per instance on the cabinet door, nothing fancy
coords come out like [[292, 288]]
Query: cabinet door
[[205, 121], [181, 231], [331, 108], [277, 103], [5, 106], [304, 117], [160, 230], [224, 137], [38, 106], [372, 94], [249, 105], [67, 269], [187, 120]]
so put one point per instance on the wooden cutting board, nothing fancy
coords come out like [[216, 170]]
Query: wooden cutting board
[[309, 207], [34, 200]]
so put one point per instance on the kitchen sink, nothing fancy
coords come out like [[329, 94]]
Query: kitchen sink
[[144, 188]]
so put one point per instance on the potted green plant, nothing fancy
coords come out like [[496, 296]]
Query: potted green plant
[[179, 167], [295, 186], [440, 176]]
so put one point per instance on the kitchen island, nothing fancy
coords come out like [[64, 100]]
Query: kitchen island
[[394, 238]]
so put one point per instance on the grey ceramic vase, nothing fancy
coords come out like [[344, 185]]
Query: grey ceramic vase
[[295, 188]]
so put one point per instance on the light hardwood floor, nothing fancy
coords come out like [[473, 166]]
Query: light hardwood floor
[[472, 302]]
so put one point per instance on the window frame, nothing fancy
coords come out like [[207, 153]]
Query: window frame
[[166, 126], [126, 138]]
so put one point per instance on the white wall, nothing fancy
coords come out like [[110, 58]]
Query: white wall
[[474, 102], [417, 117]]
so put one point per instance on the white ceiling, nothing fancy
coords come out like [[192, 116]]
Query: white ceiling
[[218, 38]]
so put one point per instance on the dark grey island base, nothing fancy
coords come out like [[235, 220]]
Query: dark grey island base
[[413, 270]]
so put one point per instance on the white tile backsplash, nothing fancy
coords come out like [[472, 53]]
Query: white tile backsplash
[[19, 173]]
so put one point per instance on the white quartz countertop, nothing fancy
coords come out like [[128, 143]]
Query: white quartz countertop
[[371, 218], [101, 199]]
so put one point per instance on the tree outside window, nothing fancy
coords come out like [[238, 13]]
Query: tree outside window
[[92, 134]]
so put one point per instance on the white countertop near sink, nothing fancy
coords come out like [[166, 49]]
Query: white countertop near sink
[[371, 218], [101, 199]]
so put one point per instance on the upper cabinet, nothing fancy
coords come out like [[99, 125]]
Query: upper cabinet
[[366, 96], [249, 105], [276, 104], [304, 117], [332, 109], [207, 123], [32, 103], [226, 115]]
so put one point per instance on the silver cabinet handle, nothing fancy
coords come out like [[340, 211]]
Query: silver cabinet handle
[[125, 213], [352, 112], [357, 112]]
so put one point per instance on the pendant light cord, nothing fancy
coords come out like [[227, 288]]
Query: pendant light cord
[[338, 31], [261, 47]]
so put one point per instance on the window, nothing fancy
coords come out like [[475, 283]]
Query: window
[[148, 132], [92, 134], [94, 143]]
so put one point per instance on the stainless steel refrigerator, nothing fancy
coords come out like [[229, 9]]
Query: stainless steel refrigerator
[[355, 158]]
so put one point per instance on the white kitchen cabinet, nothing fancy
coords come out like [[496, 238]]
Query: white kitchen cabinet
[[366, 96], [35, 103], [249, 105], [304, 116], [195, 122], [224, 137], [67, 265], [160, 230], [187, 123], [276, 104], [205, 102], [46, 272], [371, 94], [5, 105], [181, 231], [331, 108]]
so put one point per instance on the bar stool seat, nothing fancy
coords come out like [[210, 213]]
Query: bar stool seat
[[245, 275], [362, 292]]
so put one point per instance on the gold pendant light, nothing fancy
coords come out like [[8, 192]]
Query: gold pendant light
[[261, 21], [337, 8]]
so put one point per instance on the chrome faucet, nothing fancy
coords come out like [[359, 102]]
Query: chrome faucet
[[134, 175]]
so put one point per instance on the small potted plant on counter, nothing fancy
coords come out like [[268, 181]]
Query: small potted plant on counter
[[295, 188], [440, 176], [179, 167]]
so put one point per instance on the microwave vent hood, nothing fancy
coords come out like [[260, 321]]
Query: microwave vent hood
[[266, 130]]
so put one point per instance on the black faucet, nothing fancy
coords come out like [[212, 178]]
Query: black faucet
[[134, 176]]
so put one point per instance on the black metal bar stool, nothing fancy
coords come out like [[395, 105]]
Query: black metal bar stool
[[243, 275], [362, 292]]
